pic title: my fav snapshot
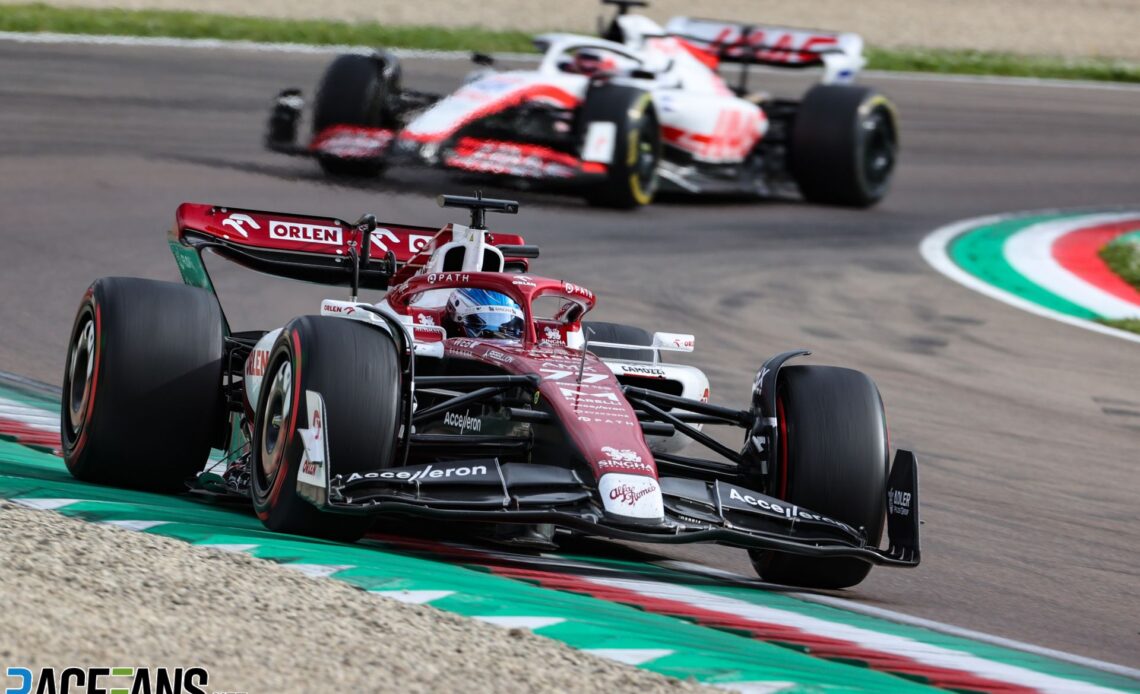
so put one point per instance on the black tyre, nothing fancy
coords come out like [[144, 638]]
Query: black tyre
[[833, 459], [142, 386], [621, 334], [631, 179], [844, 145], [356, 371], [353, 92]]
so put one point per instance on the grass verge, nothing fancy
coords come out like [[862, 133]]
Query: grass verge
[[39, 17], [1123, 257], [1132, 325], [199, 25]]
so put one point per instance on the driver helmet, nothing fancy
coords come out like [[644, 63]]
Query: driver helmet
[[486, 314], [587, 62]]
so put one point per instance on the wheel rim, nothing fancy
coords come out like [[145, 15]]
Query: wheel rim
[[278, 406], [880, 148], [645, 165], [80, 369]]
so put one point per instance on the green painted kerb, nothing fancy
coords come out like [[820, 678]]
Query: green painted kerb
[[701, 653], [980, 253], [704, 654]]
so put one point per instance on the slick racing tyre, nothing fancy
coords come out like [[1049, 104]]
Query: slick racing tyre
[[142, 385], [832, 459], [354, 91], [844, 144], [351, 373], [620, 334], [631, 178]]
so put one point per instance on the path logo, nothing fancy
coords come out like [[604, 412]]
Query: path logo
[[108, 680]]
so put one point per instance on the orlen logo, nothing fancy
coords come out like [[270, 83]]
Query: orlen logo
[[258, 359], [312, 233]]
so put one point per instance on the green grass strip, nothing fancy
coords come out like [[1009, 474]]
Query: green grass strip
[[1132, 325], [194, 25], [966, 62], [1123, 257]]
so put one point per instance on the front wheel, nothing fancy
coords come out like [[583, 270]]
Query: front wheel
[[844, 144], [832, 459], [627, 115], [330, 404]]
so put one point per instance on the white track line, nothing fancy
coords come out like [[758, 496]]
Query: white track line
[[1030, 252], [318, 570], [413, 597], [910, 620], [630, 656], [933, 250], [531, 623], [970, 634], [23, 413], [170, 42], [918, 651]]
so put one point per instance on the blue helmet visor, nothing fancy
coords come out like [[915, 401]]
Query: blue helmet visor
[[493, 324]]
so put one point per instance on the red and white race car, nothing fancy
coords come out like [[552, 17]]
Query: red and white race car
[[642, 108], [474, 393]]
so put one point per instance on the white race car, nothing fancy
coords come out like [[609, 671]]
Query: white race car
[[619, 117]]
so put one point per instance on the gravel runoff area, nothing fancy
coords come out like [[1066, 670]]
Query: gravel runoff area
[[79, 594], [1069, 28]]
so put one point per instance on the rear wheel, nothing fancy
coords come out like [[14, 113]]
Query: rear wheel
[[350, 371], [352, 92], [832, 459], [844, 144], [631, 177], [142, 386]]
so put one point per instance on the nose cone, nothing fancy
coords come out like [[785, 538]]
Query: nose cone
[[631, 496]]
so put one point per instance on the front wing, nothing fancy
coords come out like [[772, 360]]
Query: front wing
[[695, 510]]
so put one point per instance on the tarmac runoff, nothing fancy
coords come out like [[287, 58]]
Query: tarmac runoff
[[1045, 263], [722, 633]]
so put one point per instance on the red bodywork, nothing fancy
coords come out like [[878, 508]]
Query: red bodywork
[[323, 236], [592, 408]]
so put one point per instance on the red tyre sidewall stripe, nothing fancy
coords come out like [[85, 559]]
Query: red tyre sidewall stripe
[[283, 466], [87, 416], [1079, 253]]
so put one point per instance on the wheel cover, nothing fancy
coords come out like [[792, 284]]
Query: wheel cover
[[646, 137], [80, 369], [880, 147], [278, 405]]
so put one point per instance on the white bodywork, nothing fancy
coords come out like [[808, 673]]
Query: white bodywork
[[697, 111]]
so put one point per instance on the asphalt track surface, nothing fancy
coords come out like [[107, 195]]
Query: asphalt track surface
[[1027, 430]]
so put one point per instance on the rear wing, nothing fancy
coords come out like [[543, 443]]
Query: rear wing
[[662, 342], [840, 54], [307, 248]]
